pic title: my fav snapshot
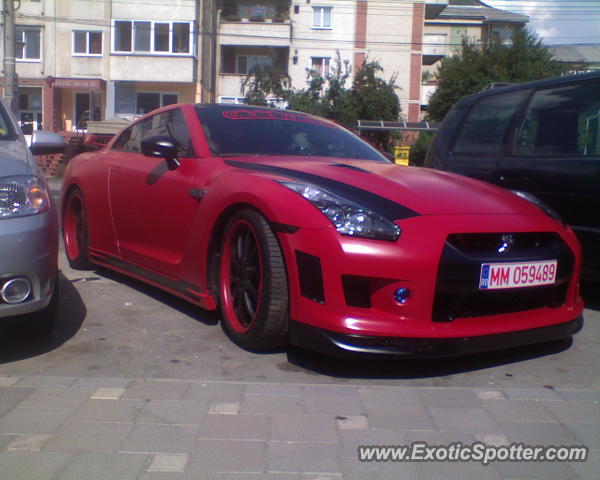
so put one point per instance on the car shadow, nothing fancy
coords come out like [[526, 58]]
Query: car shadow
[[17, 343], [406, 368], [172, 301]]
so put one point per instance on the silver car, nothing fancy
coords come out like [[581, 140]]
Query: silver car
[[28, 228]]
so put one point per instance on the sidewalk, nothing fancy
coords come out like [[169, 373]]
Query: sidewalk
[[112, 428]]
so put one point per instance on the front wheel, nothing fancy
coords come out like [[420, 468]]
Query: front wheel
[[253, 290], [75, 233]]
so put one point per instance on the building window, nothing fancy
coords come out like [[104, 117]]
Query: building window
[[148, 101], [87, 43], [320, 65], [435, 43], [502, 34], [149, 37], [27, 45], [321, 17], [245, 63]]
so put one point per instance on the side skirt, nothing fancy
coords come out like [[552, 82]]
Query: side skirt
[[203, 298]]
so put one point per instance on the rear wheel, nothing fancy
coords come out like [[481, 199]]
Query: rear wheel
[[75, 233], [253, 291]]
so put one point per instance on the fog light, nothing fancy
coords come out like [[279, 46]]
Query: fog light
[[401, 295], [16, 290]]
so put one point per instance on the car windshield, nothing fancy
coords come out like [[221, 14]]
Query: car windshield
[[256, 131]]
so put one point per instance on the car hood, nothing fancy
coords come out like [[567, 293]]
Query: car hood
[[13, 159], [424, 191]]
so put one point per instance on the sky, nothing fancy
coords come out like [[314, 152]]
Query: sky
[[558, 21]]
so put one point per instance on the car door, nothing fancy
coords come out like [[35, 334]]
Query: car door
[[482, 137], [556, 157], [151, 205]]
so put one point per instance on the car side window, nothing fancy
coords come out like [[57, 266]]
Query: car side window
[[486, 125], [129, 141], [562, 121], [180, 133], [170, 123]]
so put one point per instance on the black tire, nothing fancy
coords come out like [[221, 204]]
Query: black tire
[[75, 231], [253, 288]]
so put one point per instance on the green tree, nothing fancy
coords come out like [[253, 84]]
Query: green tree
[[475, 66], [374, 98], [369, 98], [263, 81]]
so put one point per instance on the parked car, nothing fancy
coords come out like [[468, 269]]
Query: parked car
[[28, 228], [302, 232], [539, 137]]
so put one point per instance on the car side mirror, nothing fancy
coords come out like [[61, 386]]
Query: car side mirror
[[46, 143], [161, 147]]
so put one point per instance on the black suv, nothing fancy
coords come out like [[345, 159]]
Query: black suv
[[540, 137]]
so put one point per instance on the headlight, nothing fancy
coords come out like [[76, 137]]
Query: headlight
[[541, 205], [21, 196], [348, 217]]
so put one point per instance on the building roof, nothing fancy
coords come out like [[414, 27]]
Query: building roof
[[589, 54], [475, 10]]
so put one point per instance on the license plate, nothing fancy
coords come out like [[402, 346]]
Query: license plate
[[495, 276]]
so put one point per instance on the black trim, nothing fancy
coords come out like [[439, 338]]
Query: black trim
[[310, 277], [197, 193], [349, 167], [381, 205], [283, 227], [342, 345], [179, 286]]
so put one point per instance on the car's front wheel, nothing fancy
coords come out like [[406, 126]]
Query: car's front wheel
[[75, 233], [253, 290]]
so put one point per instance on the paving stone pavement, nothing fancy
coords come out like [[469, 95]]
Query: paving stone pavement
[[58, 428]]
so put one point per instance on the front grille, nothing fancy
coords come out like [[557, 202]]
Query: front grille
[[457, 288]]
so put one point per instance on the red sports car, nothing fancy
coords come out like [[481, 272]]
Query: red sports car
[[301, 232]]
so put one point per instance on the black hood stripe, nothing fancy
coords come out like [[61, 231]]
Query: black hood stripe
[[378, 204]]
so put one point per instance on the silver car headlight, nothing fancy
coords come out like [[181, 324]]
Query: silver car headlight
[[349, 218], [22, 195]]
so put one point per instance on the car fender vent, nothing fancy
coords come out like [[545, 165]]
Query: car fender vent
[[310, 275]]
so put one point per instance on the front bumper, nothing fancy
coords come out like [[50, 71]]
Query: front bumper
[[29, 249], [345, 287], [340, 344]]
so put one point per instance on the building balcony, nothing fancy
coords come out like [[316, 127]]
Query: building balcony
[[267, 11], [271, 34]]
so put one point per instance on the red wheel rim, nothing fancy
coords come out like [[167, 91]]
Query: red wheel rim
[[241, 276], [73, 226]]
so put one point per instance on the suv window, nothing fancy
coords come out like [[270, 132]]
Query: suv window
[[487, 122], [562, 121]]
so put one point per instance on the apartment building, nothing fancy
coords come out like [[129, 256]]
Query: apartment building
[[446, 25], [79, 59], [97, 59], [312, 35]]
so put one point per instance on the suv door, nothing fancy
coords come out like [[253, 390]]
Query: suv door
[[481, 140], [556, 157]]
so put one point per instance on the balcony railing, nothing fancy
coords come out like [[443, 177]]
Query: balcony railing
[[277, 12]]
